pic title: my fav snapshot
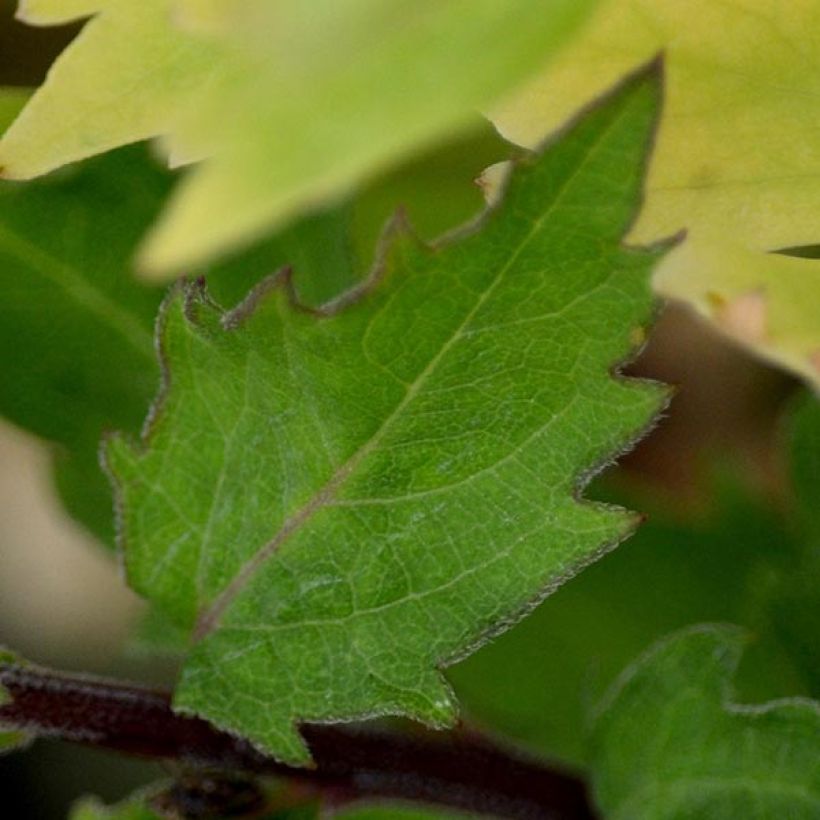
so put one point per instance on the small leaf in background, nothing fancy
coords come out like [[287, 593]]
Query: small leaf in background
[[337, 505], [291, 103], [736, 160], [669, 740]]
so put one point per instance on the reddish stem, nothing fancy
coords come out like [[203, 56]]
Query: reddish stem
[[454, 770]]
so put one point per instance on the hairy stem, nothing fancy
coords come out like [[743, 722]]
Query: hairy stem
[[456, 770]]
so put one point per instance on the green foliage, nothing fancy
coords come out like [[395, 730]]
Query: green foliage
[[337, 504], [337, 497], [290, 103], [794, 598], [804, 452], [669, 741]]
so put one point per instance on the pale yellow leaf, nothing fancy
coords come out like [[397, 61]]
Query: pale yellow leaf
[[123, 79], [286, 103]]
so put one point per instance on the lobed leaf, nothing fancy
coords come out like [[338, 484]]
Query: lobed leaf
[[736, 161], [291, 103], [336, 504], [669, 742]]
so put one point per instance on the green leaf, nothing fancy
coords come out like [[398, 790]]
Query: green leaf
[[338, 504], [67, 301], [670, 742], [291, 103], [736, 160], [794, 599]]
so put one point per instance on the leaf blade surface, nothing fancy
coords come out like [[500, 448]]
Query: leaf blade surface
[[338, 504]]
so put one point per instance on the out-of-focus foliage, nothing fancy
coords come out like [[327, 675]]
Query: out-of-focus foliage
[[290, 103], [76, 330], [10, 738]]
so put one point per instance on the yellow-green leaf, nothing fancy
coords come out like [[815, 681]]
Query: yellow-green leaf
[[291, 103], [737, 157], [122, 79]]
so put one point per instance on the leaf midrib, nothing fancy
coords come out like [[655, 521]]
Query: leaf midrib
[[211, 617]]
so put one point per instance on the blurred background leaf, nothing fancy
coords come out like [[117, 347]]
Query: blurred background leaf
[[670, 740], [291, 104]]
